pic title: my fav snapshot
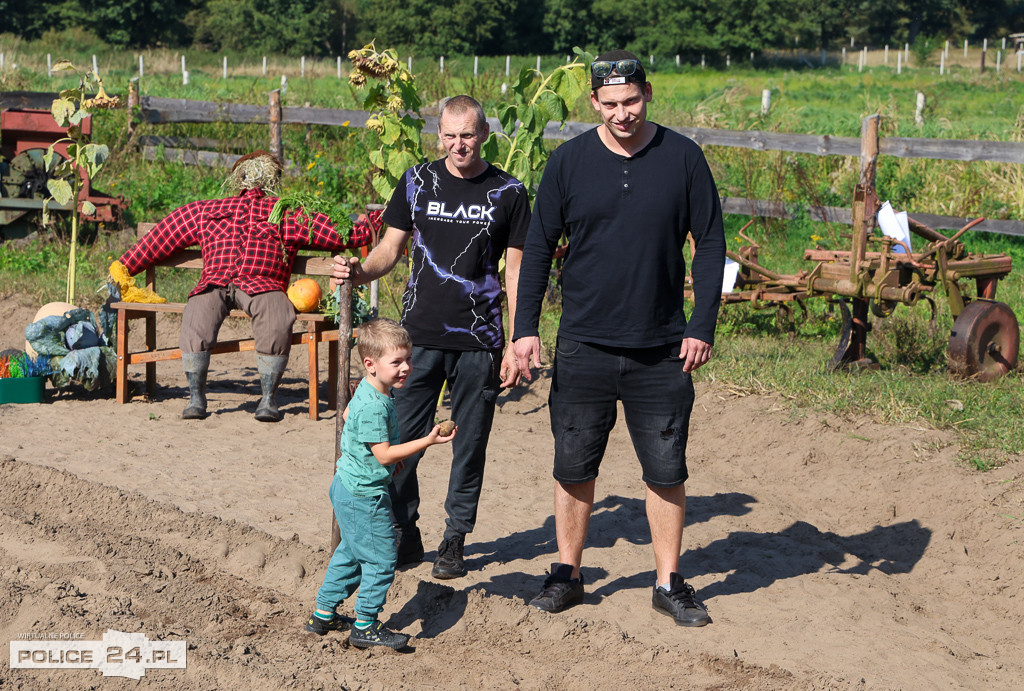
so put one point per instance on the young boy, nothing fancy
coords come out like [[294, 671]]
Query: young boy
[[370, 453]]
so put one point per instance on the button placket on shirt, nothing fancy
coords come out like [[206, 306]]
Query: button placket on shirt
[[626, 183]]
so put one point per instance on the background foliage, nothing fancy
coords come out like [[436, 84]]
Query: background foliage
[[517, 27]]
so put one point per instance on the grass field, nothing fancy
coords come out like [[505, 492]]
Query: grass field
[[752, 354]]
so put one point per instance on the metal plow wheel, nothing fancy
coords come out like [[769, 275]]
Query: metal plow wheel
[[985, 341], [28, 175]]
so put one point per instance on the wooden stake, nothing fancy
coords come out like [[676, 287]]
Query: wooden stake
[[344, 355], [276, 147]]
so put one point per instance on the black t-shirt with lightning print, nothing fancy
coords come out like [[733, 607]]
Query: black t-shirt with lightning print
[[460, 230]]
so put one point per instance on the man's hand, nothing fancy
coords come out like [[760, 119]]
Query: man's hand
[[527, 349], [510, 373], [694, 353], [346, 268]]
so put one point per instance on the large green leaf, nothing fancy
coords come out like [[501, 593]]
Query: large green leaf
[[63, 65], [401, 161], [88, 208], [489, 150], [62, 109], [553, 106], [94, 156], [507, 117], [60, 190], [392, 130], [383, 186]]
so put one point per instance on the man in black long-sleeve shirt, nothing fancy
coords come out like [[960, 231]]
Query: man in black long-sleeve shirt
[[626, 195]]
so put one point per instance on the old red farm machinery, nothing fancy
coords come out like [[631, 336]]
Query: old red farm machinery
[[27, 129], [878, 273]]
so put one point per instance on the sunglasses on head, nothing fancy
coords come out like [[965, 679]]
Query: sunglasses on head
[[602, 68]]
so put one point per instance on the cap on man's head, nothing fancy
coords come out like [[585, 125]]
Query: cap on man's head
[[638, 76]]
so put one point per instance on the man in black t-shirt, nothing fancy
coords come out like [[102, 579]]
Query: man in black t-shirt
[[626, 194], [461, 214]]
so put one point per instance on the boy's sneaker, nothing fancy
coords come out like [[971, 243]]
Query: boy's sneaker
[[680, 603], [410, 546], [321, 627], [376, 634], [560, 590], [450, 562]]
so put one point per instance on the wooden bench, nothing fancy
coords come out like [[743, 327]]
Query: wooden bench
[[317, 329]]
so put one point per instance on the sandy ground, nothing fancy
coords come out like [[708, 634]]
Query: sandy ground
[[831, 553]]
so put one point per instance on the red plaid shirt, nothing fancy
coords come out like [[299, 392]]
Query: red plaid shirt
[[239, 246]]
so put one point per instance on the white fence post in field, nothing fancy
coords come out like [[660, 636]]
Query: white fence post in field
[[942, 63], [728, 60], [95, 67], [141, 67], [766, 101], [1020, 53], [945, 49], [677, 61], [507, 65], [49, 65], [284, 83], [844, 56], [919, 113], [984, 45], [339, 67], [264, 65], [1004, 43], [408, 64], [899, 62], [999, 60], [225, 67], [652, 60], [183, 68], [906, 53], [702, 60], [184, 78], [851, 41], [302, 67], [476, 65], [538, 63], [965, 47], [442, 64], [886, 60], [860, 61]]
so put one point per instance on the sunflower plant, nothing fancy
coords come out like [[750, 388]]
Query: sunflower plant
[[392, 98], [84, 157]]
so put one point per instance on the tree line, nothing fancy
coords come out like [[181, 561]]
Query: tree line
[[500, 27]]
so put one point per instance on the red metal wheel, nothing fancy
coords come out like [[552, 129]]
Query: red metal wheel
[[985, 341]]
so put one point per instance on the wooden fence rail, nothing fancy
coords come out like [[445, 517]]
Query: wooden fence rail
[[165, 110]]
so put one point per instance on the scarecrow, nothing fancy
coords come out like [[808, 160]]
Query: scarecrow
[[249, 242]]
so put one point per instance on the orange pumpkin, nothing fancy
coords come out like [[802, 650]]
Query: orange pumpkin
[[305, 294]]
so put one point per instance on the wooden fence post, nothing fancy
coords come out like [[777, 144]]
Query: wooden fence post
[[344, 355], [919, 111], [276, 147], [133, 102]]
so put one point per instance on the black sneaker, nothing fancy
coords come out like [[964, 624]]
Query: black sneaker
[[410, 547], [322, 627], [680, 603], [376, 634], [449, 562], [560, 590]]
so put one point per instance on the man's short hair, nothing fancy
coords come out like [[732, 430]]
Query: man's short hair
[[457, 105], [377, 336], [638, 77]]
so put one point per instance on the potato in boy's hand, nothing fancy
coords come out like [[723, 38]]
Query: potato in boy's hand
[[446, 428]]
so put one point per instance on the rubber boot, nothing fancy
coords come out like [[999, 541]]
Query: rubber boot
[[197, 367], [271, 369]]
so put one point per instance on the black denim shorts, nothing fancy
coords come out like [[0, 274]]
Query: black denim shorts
[[657, 398]]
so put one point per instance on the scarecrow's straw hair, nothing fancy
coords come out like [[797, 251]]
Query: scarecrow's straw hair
[[258, 170]]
